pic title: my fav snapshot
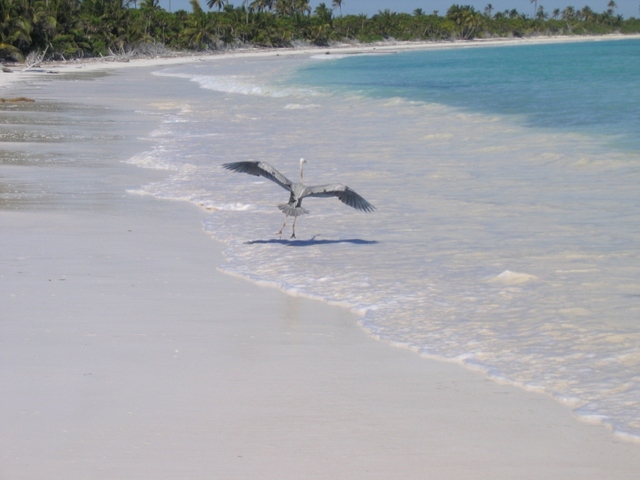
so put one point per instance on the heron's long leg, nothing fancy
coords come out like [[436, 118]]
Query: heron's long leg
[[282, 228], [293, 228]]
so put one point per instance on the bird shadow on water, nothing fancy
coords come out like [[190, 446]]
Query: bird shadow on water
[[312, 241]]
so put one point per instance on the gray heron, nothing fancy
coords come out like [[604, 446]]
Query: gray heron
[[299, 190]]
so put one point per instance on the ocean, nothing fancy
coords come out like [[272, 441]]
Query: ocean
[[506, 184]]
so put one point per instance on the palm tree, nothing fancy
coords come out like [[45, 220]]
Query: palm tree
[[15, 30], [261, 5], [44, 24], [384, 21], [568, 14], [216, 3], [284, 7], [150, 4], [608, 15], [467, 18], [199, 30], [8, 50], [587, 14], [337, 4], [541, 14], [535, 5], [323, 13], [302, 7]]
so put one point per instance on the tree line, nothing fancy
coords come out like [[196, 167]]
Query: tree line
[[66, 29]]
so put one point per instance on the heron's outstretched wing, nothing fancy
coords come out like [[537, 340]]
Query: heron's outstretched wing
[[342, 192], [260, 169]]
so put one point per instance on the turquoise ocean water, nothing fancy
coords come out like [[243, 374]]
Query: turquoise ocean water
[[589, 88], [507, 186]]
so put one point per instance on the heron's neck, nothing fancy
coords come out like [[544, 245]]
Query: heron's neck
[[301, 173]]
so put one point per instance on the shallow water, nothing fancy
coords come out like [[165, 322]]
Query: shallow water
[[585, 87], [62, 147], [504, 245]]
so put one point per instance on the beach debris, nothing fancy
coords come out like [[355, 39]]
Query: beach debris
[[16, 100], [34, 59], [298, 190], [7, 70]]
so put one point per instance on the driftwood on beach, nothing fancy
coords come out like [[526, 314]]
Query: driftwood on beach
[[16, 100]]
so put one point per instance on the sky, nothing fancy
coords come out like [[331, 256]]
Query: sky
[[626, 8]]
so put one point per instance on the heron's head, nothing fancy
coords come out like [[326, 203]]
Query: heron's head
[[302, 162]]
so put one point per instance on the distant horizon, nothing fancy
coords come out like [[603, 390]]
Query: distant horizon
[[626, 8]]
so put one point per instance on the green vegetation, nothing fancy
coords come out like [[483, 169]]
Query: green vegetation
[[64, 29]]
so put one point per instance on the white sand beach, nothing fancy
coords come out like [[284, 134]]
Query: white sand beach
[[124, 353], [22, 73]]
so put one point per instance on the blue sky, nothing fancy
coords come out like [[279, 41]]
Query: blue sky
[[627, 8]]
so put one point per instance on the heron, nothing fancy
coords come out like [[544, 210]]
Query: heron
[[298, 190]]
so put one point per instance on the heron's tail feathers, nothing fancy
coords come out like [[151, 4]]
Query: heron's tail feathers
[[291, 211]]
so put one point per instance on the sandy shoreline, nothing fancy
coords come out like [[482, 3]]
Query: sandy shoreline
[[20, 73], [125, 354]]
